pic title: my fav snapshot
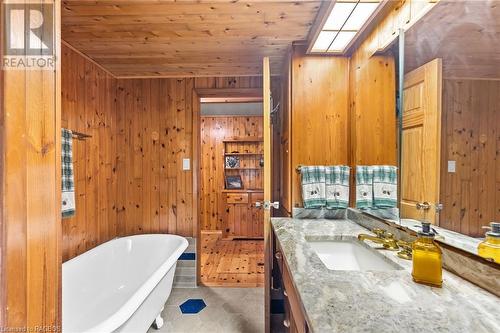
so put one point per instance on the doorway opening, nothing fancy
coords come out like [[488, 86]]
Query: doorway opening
[[231, 185], [230, 189]]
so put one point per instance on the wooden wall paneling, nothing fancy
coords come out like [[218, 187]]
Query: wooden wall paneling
[[153, 136], [2, 189], [372, 95], [467, 52], [129, 176], [285, 136], [31, 277], [470, 137], [88, 100], [276, 138], [320, 97]]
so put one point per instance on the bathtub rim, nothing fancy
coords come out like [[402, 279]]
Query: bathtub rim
[[139, 296]]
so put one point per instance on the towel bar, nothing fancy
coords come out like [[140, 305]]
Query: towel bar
[[80, 136]]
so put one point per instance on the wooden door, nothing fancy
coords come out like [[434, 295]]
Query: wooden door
[[421, 142], [255, 227], [266, 95]]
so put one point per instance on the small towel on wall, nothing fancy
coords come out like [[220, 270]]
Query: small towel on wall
[[337, 186], [364, 186], [68, 183], [313, 186], [385, 186]]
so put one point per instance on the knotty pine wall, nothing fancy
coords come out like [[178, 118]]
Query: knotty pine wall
[[129, 176], [154, 124], [319, 105], [89, 106], [470, 135], [213, 131], [30, 276]]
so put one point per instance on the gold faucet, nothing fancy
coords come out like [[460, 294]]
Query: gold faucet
[[385, 238]]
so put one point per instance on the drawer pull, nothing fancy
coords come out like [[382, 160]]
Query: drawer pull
[[238, 199], [286, 323], [278, 255]]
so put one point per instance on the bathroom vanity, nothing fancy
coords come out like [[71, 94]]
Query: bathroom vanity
[[324, 292]]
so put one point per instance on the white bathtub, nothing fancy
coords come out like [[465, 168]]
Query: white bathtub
[[121, 285]]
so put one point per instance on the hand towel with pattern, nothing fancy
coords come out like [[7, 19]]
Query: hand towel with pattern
[[337, 186], [313, 186], [385, 186], [364, 186], [68, 183]]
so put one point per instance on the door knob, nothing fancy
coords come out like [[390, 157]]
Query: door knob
[[268, 205]]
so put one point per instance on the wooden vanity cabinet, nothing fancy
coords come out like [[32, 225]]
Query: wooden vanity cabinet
[[294, 320], [242, 218]]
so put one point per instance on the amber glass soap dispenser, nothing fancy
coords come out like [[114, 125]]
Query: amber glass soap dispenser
[[427, 258], [490, 247]]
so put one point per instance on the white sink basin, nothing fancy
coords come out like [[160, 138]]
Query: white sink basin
[[350, 256]]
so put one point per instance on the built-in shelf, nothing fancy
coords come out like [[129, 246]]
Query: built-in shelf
[[247, 153], [244, 168], [249, 139], [256, 190], [243, 154]]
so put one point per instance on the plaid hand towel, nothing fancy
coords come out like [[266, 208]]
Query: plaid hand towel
[[385, 186], [337, 187], [68, 184], [364, 186], [313, 186]]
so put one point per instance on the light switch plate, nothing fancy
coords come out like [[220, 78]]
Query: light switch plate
[[186, 164], [452, 166]]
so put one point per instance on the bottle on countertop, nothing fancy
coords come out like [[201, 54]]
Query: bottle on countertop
[[427, 258], [490, 247]]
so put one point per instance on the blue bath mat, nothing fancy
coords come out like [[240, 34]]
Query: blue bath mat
[[192, 306]]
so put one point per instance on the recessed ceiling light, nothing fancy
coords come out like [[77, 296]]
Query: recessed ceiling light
[[360, 15], [324, 40], [341, 41], [346, 19], [339, 15]]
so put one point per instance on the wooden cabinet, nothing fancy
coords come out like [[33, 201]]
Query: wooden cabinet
[[243, 219], [294, 320]]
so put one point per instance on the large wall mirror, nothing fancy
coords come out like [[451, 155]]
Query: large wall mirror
[[450, 121]]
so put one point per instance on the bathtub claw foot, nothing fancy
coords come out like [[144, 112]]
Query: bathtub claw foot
[[158, 323]]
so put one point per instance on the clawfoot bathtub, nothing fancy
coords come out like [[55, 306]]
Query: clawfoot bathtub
[[121, 285]]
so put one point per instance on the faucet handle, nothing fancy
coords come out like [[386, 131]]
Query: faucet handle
[[379, 232], [389, 235], [406, 250]]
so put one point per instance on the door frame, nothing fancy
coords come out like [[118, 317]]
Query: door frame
[[240, 95]]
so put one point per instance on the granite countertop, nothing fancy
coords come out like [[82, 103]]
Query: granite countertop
[[377, 301]]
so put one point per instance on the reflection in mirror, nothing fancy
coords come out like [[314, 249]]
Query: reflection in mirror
[[377, 184], [450, 130]]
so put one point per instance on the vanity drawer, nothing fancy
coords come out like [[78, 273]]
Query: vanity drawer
[[297, 318], [237, 198]]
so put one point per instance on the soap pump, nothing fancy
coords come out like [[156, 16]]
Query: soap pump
[[427, 258], [490, 247]]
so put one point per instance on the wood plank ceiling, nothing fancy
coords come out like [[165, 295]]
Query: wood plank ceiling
[[187, 38], [465, 34]]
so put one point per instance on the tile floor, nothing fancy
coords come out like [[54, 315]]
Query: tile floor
[[228, 310]]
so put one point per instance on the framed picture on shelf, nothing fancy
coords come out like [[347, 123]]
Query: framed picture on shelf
[[232, 162], [234, 182]]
